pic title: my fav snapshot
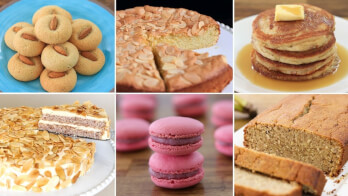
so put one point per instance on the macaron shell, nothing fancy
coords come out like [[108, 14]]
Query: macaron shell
[[130, 128], [224, 134], [191, 111], [177, 184], [226, 150], [179, 100], [123, 147], [131, 114], [223, 108], [176, 127], [220, 122], [174, 150]]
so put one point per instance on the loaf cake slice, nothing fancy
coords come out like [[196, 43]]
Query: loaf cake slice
[[189, 71], [84, 120], [248, 183], [307, 128], [311, 178]]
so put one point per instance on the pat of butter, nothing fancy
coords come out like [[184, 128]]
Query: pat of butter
[[289, 12]]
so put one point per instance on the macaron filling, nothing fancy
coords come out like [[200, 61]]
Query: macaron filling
[[189, 105], [131, 140], [140, 111], [166, 176], [177, 141], [224, 143]]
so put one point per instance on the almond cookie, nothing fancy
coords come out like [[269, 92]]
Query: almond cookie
[[58, 81], [86, 35], [26, 43], [53, 29], [90, 63], [60, 57], [50, 10], [24, 68], [12, 31]]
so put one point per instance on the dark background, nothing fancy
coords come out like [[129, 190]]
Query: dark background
[[220, 10]]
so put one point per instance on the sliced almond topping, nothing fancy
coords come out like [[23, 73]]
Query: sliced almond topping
[[54, 23], [18, 188], [89, 55], [29, 37], [27, 165], [60, 50], [25, 60], [48, 174], [85, 32], [53, 74], [74, 179], [42, 182], [60, 172], [16, 29]]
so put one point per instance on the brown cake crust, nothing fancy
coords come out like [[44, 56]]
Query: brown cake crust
[[323, 116], [287, 169]]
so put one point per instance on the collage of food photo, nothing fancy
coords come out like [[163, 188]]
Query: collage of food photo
[[173, 97]]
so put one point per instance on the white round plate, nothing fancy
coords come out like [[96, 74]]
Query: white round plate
[[243, 37], [95, 180], [223, 47]]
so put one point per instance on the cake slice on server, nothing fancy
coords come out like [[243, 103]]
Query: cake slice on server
[[83, 120]]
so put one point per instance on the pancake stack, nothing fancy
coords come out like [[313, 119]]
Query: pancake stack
[[295, 50]]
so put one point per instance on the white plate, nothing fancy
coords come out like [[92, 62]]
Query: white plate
[[96, 179], [243, 37], [223, 47], [331, 188]]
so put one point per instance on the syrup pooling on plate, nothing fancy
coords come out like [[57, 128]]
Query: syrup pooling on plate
[[243, 63]]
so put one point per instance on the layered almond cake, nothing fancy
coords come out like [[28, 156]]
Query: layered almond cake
[[83, 120], [140, 30], [32, 160]]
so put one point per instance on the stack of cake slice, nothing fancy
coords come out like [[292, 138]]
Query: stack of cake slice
[[295, 50], [84, 120]]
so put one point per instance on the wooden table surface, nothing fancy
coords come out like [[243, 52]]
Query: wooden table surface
[[133, 178], [260, 102], [244, 8]]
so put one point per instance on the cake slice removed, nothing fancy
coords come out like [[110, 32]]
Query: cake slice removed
[[311, 178], [83, 120], [248, 183], [189, 71]]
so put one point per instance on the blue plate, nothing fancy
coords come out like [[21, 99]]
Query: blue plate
[[104, 81]]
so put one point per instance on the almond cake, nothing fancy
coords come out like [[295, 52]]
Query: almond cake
[[139, 30], [33, 160]]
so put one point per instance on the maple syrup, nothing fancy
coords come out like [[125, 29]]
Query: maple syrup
[[243, 63]]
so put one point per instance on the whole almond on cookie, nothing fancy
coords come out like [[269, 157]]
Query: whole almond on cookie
[[53, 74], [25, 60], [89, 56], [54, 23], [60, 50], [85, 32], [29, 37], [16, 29]]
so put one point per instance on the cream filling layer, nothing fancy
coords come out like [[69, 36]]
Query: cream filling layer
[[70, 114], [70, 125]]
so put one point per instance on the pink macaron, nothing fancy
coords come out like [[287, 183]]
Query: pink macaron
[[176, 135], [138, 107], [131, 134], [176, 172], [139, 96], [222, 113], [224, 139], [191, 105]]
